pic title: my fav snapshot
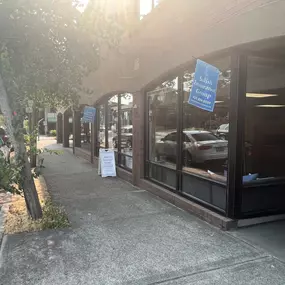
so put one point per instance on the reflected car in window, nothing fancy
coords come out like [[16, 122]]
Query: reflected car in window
[[198, 147], [126, 137], [223, 131]]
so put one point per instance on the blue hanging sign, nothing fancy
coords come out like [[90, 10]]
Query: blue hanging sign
[[204, 87], [89, 114]]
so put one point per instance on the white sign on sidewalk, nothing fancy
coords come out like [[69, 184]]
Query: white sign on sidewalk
[[107, 163]]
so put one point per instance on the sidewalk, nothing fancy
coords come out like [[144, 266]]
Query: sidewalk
[[124, 235]]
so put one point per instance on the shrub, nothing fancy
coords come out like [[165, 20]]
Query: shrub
[[26, 126], [52, 133], [10, 176], [54, 217]]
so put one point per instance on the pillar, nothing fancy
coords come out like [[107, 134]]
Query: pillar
[[236, 135], [138, 136], [92, 138], [76, 128], [65, 129], [46, 120], [59, 128]]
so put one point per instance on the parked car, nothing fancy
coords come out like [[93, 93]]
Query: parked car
[[223, 131], [198, 147], [126, 137]]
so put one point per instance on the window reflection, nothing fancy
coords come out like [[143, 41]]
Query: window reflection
[[85, 133], [126, 118], [205, 134], [113, 122], [264, 153], [162, 103], [101, 127]]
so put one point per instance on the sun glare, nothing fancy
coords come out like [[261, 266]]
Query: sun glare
[[145, 5]]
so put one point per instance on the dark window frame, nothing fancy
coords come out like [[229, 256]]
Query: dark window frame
[[106, 108], [179, 126], [256, 198]]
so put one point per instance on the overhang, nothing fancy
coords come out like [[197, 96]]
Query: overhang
[[177, 31]]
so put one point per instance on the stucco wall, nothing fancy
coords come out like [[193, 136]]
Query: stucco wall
[[178, 30]]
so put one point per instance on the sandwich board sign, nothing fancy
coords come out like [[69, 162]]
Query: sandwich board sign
[[107, 163], [204, 87]]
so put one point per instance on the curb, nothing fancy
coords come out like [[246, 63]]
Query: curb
[[1, 227], [4, 208]]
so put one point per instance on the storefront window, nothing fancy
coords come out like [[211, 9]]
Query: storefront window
[[162, 116], [85, 134], [113, 122], [264, 152], [205, 134], [126, 125], [101, 142]]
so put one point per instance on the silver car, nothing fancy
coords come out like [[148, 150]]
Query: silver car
[[198, 147]]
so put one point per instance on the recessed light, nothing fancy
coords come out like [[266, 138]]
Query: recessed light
[[217, 102], [270, 106], [257, 95]]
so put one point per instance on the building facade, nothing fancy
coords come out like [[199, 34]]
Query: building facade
[[227, 163]]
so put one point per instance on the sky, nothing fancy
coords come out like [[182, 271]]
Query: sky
[[145, 5]]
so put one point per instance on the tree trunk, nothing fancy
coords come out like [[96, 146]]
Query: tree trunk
[[30, 193], [33, 142]]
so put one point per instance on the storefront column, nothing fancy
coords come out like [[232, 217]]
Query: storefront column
[[106, 124], [76, 128], [59, 127], [92, 142], [95, 137], [236, 134], [119, 130], [138, 136], [65, 128]]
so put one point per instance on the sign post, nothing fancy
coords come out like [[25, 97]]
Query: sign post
[[204, 88]]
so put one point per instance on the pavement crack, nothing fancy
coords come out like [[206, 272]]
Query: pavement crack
[[212, 269]]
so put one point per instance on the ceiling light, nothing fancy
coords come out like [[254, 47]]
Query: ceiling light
[[217, 102], [257, 95], [270, 106]]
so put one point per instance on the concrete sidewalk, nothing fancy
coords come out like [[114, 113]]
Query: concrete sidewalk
[[124, 235]]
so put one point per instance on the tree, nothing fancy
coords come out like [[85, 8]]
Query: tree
[[46, 48]]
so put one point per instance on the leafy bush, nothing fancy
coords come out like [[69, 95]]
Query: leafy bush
[[52, 133], [54, 217], [26, 126], [10, 176]]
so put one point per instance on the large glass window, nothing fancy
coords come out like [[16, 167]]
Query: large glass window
[[205, 134], [113, 124], [101, 142], [162, 116], [264, 152], [126, 128], [115, 128], [85, 134]]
